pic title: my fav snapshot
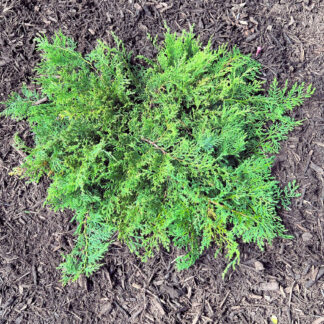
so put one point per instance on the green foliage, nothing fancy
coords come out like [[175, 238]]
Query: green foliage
[[174, 153]]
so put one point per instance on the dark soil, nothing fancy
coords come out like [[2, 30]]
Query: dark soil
[[286, 280]]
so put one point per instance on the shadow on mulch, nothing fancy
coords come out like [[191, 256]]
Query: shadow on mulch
[[285, 280]]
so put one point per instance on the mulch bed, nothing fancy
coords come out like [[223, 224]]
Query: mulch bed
[[286, 280]]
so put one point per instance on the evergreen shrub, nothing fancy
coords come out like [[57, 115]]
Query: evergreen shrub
[[175, 150]]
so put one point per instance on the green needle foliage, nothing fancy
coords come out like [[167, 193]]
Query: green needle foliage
[[174, 151]]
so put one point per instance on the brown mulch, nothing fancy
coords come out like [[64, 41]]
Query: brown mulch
[[286, 280]]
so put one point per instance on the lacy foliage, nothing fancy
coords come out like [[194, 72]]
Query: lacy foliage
[[174, 151]]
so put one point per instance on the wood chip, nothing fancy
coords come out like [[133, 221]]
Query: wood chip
[[253, 296], [302, 54], [258, 266], [269, 286], [137, 7], [238, 6], [122, 309], [253, 21], [319, 144], [282, 292], [308, 160], [320, 320], [158, 306], [252, 37], [316, 168], [307, 237], [40, 101], [196, 319], [34, 274], [320, 273], [314, 273], [166, 8], [161, 5], [173, 293], [8, 258], [47, 22], [52, 19], [309, 8], [143, 28], [136, 286], [3, 62], [106, 308], [189, 292], [291, 21]]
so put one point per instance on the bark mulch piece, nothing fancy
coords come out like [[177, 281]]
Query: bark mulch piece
[[286, 280]]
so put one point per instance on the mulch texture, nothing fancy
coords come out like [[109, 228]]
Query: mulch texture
[[286, 280]]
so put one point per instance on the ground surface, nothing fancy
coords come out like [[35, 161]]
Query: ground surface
[[286, 280]]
